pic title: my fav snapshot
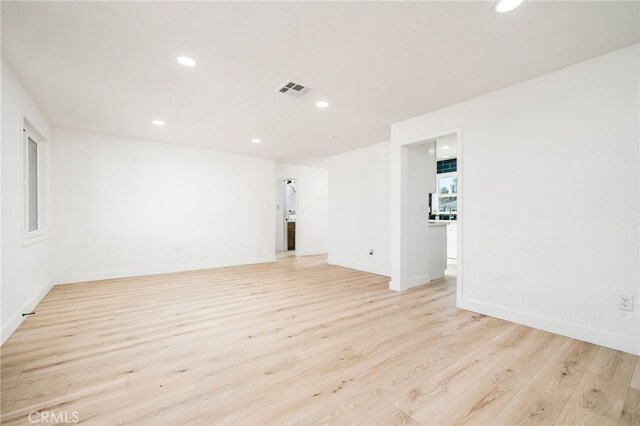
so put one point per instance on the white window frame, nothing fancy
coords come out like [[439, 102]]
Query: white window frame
[[444, 175], [40, 234]]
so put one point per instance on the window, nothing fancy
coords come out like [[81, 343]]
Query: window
[[33, 189], [448, 193], [32, 183]]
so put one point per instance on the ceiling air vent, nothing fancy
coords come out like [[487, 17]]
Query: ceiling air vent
[[291, 88]]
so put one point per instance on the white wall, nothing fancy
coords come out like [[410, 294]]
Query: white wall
[[26, 271], [420, 177], [550, 181], [290, 197], [359, 209], [312, 214], [280, 208], [125, 207]]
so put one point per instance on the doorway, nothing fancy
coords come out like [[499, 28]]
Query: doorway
[[427, 211], [286, 216]]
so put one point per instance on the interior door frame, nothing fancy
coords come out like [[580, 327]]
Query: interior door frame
[[399, 214], [283, 188]]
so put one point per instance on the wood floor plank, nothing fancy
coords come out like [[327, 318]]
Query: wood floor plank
[[635, 380], [395, 370], [485, 399], [604, 385], [543, 398], [573, 414], [430, 396], [631, 408], [388, 415], [297, 341]]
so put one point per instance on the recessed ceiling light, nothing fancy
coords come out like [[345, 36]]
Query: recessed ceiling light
[[256, 140], [322, 104], [158, 122], [331, 138], [507, 5], [445, 147], [186, 61], [446, 156]]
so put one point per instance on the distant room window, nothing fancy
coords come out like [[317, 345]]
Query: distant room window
[[448, 193], [33, 187]]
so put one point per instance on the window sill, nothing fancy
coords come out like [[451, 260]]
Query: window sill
[[28, 240]]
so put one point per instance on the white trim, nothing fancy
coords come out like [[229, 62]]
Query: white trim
[[126, 273], [357, 266], [459, 214], [29, 131], [429, 136], [576, 331], [393, 286], [12, 325], [310, 252], [399, 153], [417, 281]]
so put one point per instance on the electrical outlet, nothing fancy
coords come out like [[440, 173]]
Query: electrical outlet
[[370, 252], [625, 302]]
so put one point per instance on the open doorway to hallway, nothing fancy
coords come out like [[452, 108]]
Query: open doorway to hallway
[[429, 232], [286, 216], [443, 205]]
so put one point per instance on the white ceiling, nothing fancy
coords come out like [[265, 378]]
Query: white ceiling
[[110, 67], [446, 147]]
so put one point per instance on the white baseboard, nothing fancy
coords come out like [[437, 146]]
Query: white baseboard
[[357, 266], [587, 334], [13, 324], [107, 275], [417, 281], [310, 252], [394, 286]]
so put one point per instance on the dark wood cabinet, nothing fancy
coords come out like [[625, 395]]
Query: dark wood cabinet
[[291, 235]]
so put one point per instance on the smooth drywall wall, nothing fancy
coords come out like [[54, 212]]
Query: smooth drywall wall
[[550, 191], [312, 198], [26, 269], [290, 198], [280, 215], [128, 207], [420, 174], [359, 209]]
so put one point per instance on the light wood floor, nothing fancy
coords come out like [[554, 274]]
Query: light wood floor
[[299, 341]]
